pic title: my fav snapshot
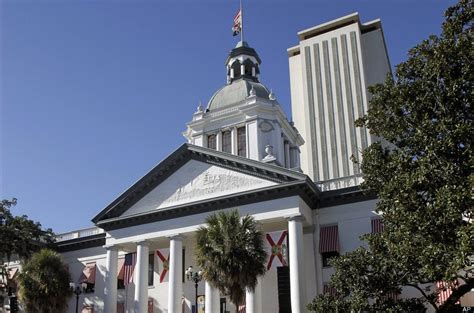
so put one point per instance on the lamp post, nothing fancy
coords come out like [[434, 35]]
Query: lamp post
[[196, 277], [77, 290]]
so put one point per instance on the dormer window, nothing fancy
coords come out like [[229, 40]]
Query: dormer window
[[211, 142]]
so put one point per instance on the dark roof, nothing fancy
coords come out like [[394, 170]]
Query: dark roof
[[243, 48], [290, 182]]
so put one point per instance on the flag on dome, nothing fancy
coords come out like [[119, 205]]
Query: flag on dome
[[237, 28]]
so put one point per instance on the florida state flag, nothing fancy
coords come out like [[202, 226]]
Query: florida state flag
[[277, 249], [163, 263]]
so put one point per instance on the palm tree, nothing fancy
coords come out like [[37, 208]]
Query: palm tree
[[230, 252], [44, 283]]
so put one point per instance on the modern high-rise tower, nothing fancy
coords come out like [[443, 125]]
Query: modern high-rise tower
[[330, 70]]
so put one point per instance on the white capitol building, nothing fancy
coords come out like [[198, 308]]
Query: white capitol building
[[243, 153]]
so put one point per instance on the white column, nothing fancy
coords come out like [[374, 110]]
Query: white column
[[287, 154], [253, 303], [242, 69], [219, 141], [175, 285], [233, 135], [250, 301], [212, 299], [110, 289], [295, 237], [141, 278]]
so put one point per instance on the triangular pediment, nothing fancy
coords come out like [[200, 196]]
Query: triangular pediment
[[191, 176], [196, 181]]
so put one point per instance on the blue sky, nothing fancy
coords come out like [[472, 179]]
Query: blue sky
[[95, 93]]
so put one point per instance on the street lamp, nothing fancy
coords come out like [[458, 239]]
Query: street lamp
[[196, 277], [77, 290]]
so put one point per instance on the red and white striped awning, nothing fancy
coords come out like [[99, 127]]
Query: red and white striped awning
[[150, 305], [329, 239], [88, 274], [120, 307], [445, 290], [328, 290], [377, 226]]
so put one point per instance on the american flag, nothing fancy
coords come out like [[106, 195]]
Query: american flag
[[129, 266], [237, 28]]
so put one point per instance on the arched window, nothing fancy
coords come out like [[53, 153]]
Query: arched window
[[236, 67], [248, 64]]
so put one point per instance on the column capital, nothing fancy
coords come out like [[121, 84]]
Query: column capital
[[111, 247], [176, 237], [143, 242], [296, 217]]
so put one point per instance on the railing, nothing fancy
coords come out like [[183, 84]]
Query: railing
[[79, 233], [339, 183]]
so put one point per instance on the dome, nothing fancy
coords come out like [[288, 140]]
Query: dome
[[235, 92]]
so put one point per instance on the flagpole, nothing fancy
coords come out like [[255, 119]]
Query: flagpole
[[242, 23]]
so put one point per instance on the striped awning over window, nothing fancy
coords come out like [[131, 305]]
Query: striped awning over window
[[88, 274], [120, 307], [150, 305], [328, 290], [445, 290], [329, 239], [393, 295], [377, 226]]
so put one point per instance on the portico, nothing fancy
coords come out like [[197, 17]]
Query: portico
[[278, 198]]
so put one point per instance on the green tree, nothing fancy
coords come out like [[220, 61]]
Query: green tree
[[422, 174], [230, 252], [19, 238], [44, 283]]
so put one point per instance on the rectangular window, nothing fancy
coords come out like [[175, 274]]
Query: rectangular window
[[211, 142], [241, 142], [227, 141], [151, 268]]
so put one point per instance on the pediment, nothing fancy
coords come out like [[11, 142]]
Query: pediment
[[196, 181]]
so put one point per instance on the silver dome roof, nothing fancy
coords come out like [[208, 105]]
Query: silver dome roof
[[236, 92]]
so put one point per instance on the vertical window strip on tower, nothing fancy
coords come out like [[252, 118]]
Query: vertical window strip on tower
[[227, 141], [340, 107], [321, 114], [312, 114], [350, 103], [330, 110], [241, 142]]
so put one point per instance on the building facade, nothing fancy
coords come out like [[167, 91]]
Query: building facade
[[243, 153]]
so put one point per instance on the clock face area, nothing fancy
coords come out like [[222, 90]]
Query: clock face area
[[266, 126]]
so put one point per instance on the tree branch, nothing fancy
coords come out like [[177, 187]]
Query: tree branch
[[433, 303]]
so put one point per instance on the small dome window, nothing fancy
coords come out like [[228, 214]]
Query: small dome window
[[248, 65], [236, 67]]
